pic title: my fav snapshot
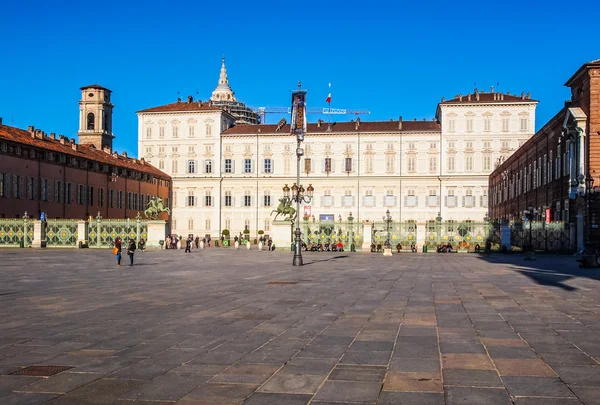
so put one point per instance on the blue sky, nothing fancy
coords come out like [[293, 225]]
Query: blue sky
[[392, 58]]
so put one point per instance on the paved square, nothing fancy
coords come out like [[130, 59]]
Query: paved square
[[221, 326]]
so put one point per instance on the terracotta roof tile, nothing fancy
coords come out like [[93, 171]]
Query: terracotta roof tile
[[24, 137], [488, 98], [183, 106], [339, 127], [95, 86]]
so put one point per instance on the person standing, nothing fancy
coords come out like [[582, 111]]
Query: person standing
[[197, 241], [188, 245], [131, 250], [118, 247]]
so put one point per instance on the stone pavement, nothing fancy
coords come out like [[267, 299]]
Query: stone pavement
[[229, 327]]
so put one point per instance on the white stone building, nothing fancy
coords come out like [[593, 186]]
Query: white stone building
[[228, 176]]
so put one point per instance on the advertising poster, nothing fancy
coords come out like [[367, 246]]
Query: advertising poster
[[298, 112]]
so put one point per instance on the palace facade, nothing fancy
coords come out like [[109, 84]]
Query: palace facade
[[55, 175], [230, 176]]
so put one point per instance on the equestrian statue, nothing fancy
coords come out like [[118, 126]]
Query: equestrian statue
[[285, 208], [155, 207]]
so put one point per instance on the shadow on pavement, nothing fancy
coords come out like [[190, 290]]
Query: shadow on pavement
[[326, 260]]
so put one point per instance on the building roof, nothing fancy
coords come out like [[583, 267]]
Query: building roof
[[181, 106], [39, 140], [486, 98], [339, 127], [591, 64], [95, 86]]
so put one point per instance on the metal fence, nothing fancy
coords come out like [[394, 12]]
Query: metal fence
[[400, 234], [347, 232], [13, 232], [547, 237], [61, 233], [101, 233]]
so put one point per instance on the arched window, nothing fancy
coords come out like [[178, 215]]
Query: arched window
[[90, 121]]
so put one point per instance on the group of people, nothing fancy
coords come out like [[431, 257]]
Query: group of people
[[131, 247], [176, 242], [324, 247]]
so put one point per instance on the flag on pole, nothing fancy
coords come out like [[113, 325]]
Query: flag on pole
[[328, 100]]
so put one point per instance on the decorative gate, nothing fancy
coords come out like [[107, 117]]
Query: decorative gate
[[102, 233], [403, 233], [347, 232], [547, 237], [13, 231], [463, 236], [61, 233]]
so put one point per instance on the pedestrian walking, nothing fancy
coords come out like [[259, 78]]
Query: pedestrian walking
[[117, 250], [131, 250], [208, 239], [168, 242], [188, 245], [197, 241], [222, 240], [270, 242]]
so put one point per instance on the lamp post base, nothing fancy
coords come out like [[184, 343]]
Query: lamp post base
[[297, 260]]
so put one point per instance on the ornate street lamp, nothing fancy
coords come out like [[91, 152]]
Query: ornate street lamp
[[298, 195], [388, 219]]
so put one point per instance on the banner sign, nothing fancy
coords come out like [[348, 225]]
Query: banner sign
[[307, 211], [298, 112], [548, 218]]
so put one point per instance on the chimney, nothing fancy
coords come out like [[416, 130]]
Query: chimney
[[52, 135], [0, 120], [30, 128], [190, 99], [179, 99], [72, 140], [528, 97], [115, 154], [468, 97], [502, 96], [459, 96], [508, 93], [39, 134], [357, 124], [143, 161], [477, 96], [491, 89], [522, 95], [124, 154], [62, 140], [107, 150], [400, 123], [74, 146], [319, 122], [443, 99]]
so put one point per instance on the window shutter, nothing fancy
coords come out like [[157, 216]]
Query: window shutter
[[272, 166], [324, 165], [187, 199], [7, 185], [322, 201], [232, 165], [332, 165], [416, 201], [354, 165], [374, 203], [481, 201], [312, 165], [232, 201], [463, 201], [202, 168], [262, 168], [445, 201], [364, 201], [22, 187], [222, 166], [405, 200], [353, 201]]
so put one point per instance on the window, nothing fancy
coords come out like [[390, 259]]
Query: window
[[369, 164], [469, 163], [267, 226], [227, 223], [287, 164], [268, 166], [161, 132], [411, 164], [247, 165], [524, 123], [191, 130], [487, 162], [91, 195], [191, 201], [410, 200], [191, 166], [348, 164], [468, 199], [121, 202], [469, 124], [348, 201], [433, 145], [505, 124], [129, 201], [101, 197], [484, 198], [208, 166], [174, 166], [149, 132], [90, 122], [469, 145], [29, 183], [487, 145], [111, 198], [451, 124], [369, 199], [451, 199], [208, 130], [3, 185], [432, 164], [228, 166], [208, 199], [228, 199], [207, 224], [267, 199], [505, 144], [247, 199], [390, 199], [487, 124], [389, 163], [432, 199], [161, 164], [451, 166], [69, 194], [307, 165], [451, 144], [246, 224], [175, 131], [327, 165], [190, 224], [327, 200]]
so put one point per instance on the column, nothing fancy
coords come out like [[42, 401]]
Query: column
[[81, 232], [39, 234], [367, 235]]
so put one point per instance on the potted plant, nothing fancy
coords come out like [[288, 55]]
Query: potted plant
[[246, 234], [225, 234]]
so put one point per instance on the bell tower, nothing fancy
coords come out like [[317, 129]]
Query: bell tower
[[95, 117]]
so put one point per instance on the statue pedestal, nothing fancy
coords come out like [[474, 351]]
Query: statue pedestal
[[387, 252], [157, 231], [39, 234], [282, 235], [367, 236]]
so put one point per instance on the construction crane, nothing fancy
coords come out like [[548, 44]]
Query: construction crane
[[262, 111]]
